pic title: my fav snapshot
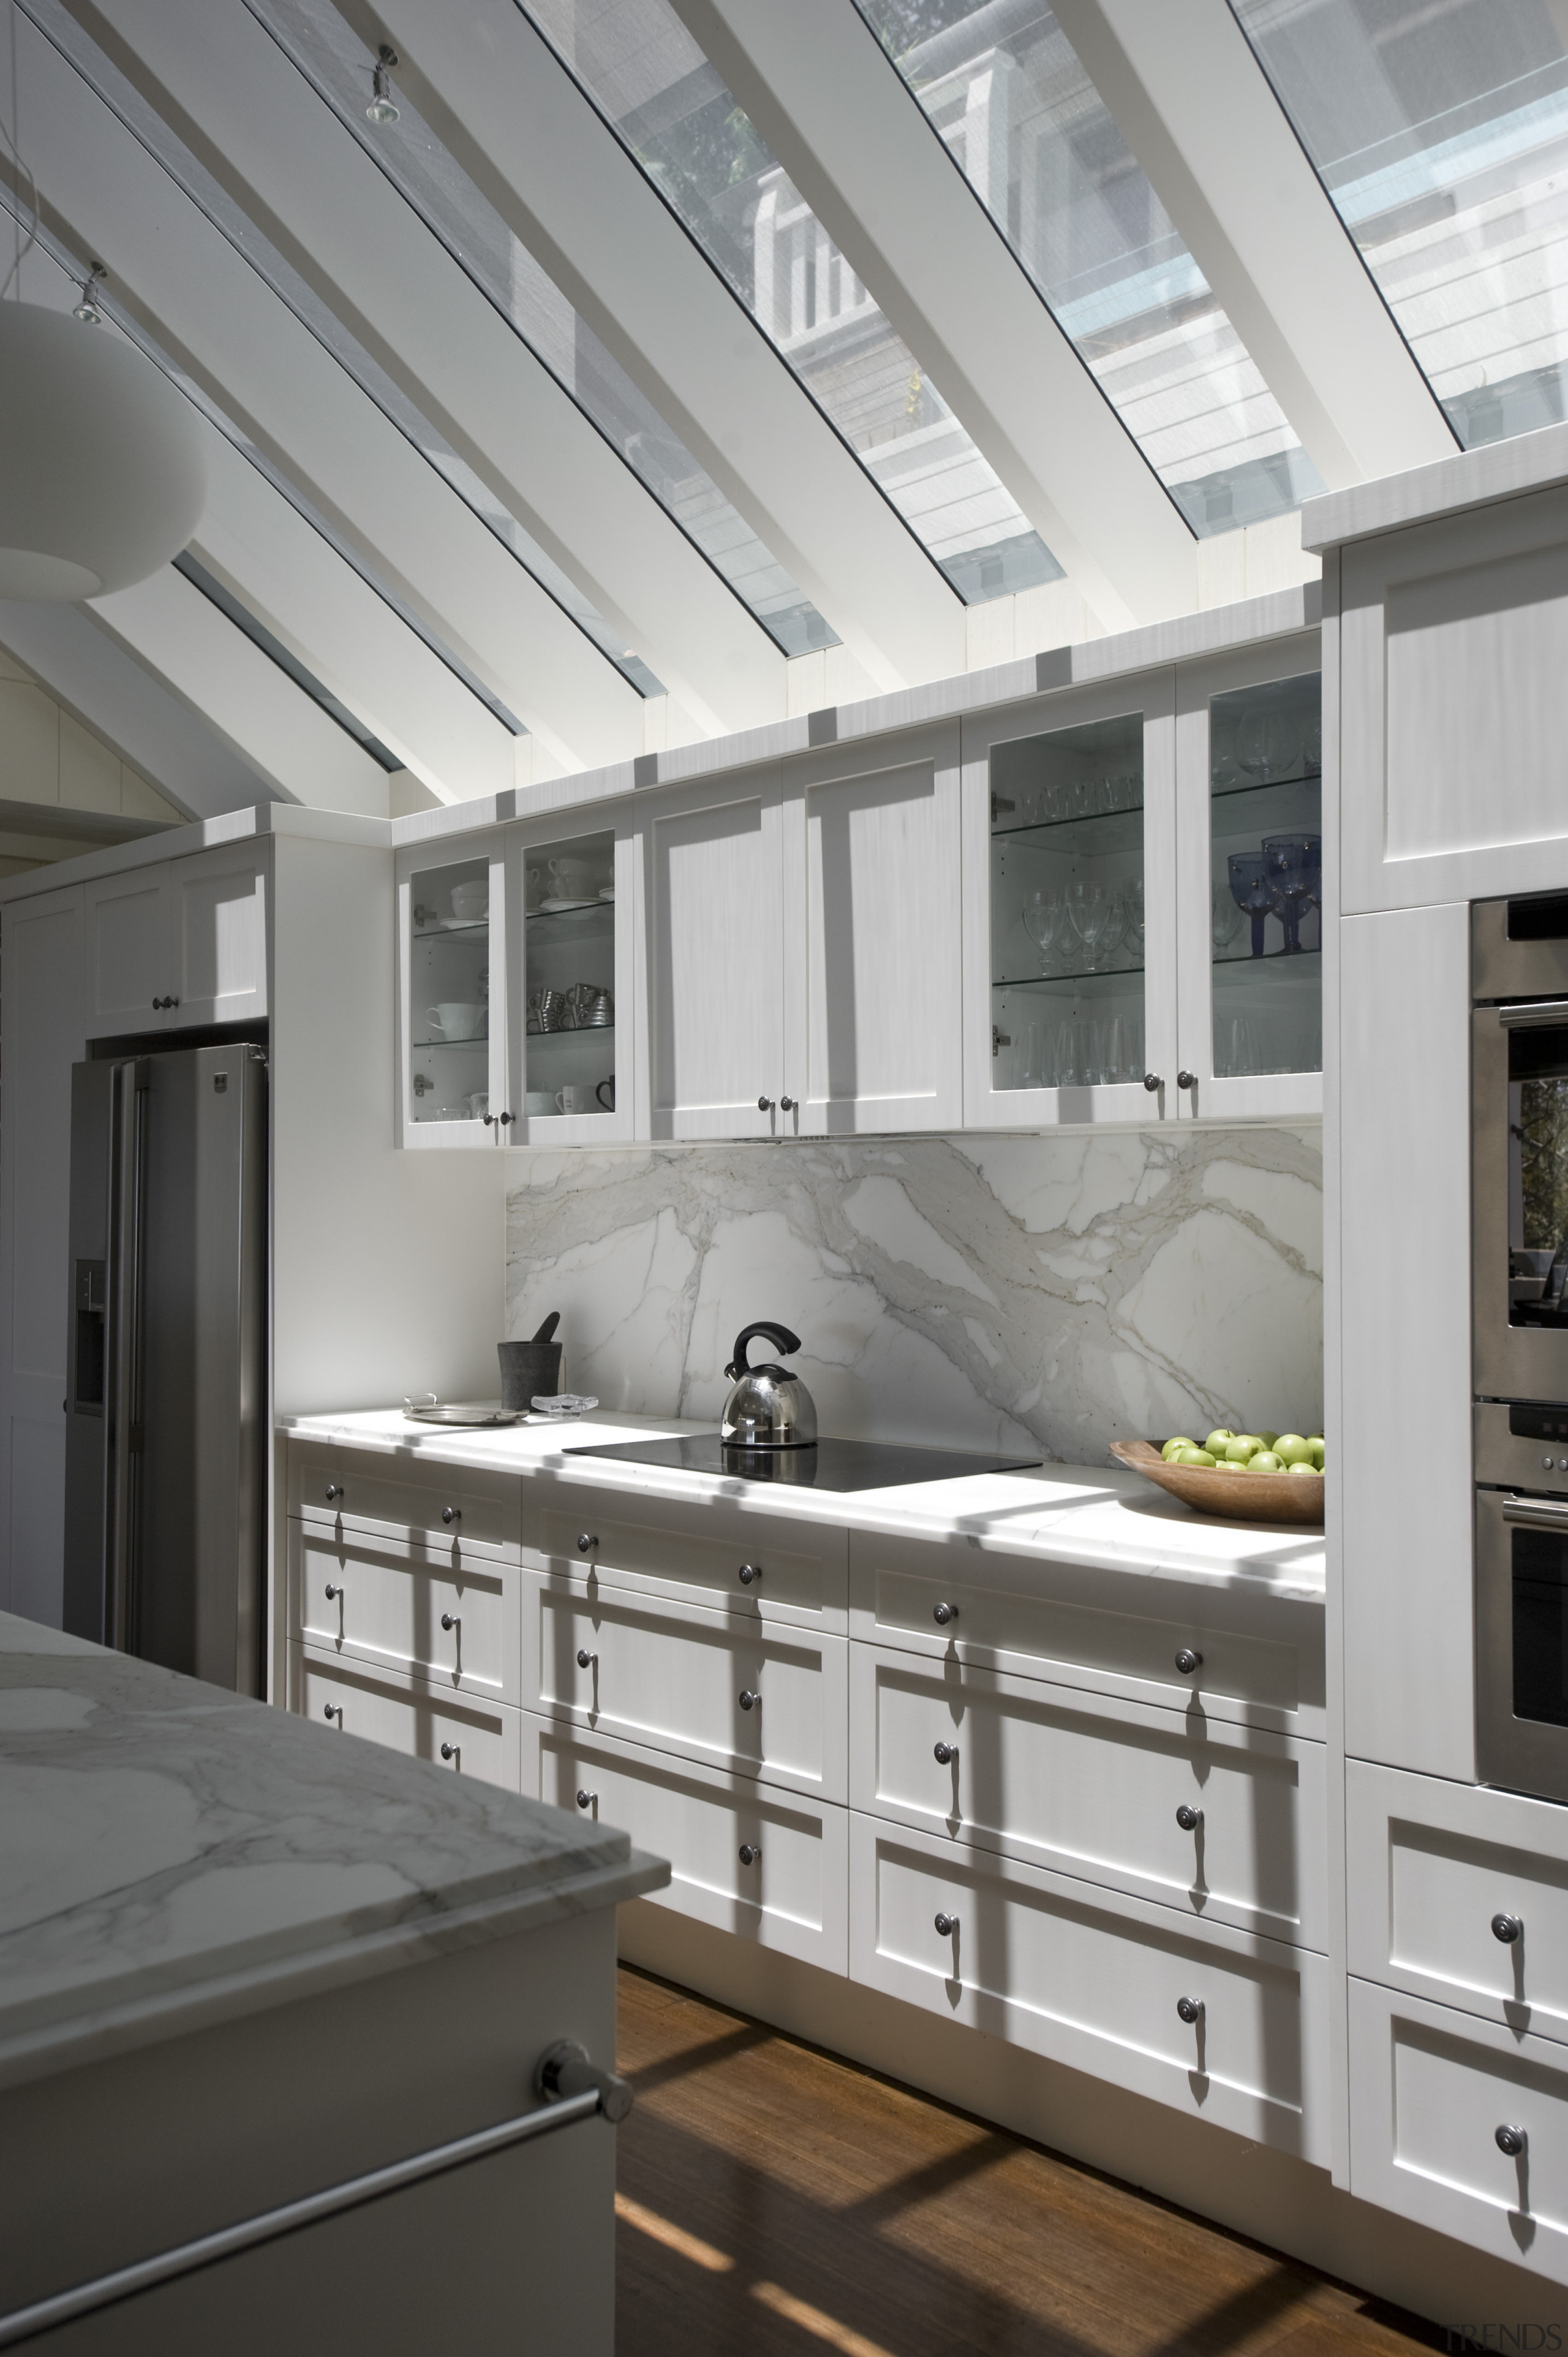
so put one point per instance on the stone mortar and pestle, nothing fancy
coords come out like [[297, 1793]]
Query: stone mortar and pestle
[[530, 1370]]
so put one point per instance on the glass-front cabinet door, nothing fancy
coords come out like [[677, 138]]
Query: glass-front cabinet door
[[571, 981], [452, 926], [1249, 736], [1070, 922]]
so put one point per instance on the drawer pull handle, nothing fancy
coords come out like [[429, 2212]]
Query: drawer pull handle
[[451, 1514], [584, 1798], [1187, 1661], [945, 1754], [1189, 1818], [749, 1852], [333, 1710], [451, 1621], [1511, 2140], [335, 1595], [1507, 1928], [750, 1699], [587, 1542], [449, 1751], [1189, 2008], [943, 1613], [584, 1658], [334, 1489], [747, 1572], [946, 1924]]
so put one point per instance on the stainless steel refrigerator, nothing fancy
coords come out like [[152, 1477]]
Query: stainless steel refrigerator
[[165, 1431]]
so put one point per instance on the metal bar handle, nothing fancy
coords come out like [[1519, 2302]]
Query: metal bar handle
[[576, 2101], [121, 1406], [1536, 1513], [1533, 1011]]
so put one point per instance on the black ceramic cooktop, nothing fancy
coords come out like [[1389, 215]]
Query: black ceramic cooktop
[[826, 1465]]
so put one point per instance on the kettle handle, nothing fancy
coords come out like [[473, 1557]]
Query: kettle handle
[[780, 1336]]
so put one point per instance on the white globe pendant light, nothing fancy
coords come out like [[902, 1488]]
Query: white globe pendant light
[[102, 461]]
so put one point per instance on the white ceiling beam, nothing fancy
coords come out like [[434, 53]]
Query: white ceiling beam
[[1197, 109], [175, 271], [98, 680], [498, 96], [834, 111], [230, 93]]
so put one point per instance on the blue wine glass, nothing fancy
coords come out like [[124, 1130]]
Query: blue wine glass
[[1251, 889], [1294, 864]]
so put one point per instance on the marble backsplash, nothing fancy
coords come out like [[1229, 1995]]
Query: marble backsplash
[[1016, 1292]]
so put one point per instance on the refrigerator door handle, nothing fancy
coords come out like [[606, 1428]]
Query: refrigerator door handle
[[123, 1405]]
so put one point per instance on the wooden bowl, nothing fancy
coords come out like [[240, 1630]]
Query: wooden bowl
[[1227, 1489]]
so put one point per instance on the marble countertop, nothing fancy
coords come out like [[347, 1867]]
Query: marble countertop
[[1108, 1519], [171, 1856]]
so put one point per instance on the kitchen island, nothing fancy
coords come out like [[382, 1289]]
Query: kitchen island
[[246, 1962]]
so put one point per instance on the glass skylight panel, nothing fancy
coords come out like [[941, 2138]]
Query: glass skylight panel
[[669, 109], [147, 126], [338, 66], [1020, 117], [1440, 133]]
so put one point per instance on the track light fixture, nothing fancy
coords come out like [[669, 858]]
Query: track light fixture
[[383, 107], [87, 311]]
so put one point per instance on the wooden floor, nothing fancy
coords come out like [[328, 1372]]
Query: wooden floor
[[775, 2203]]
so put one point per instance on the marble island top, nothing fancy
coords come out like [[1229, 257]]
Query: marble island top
[[1105, 1518], [171, 1856]]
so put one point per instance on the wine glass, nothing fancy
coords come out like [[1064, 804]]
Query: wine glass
[[1267, 745], [1251, 889], [1089, 909], [1294, 864], [1043, 916], [1225, 919], [1133, 917], [1311, 751]]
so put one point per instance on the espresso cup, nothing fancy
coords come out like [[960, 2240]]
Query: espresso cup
[[454, 1020]]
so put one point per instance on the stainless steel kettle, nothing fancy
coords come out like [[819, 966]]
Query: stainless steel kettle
[[769, 1406]]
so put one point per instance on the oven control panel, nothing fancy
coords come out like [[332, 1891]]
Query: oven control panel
[[1521, 1445]]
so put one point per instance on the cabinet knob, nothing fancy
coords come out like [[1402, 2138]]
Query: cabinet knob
[[747, 1572], [334, 1592], [945, 1754], [334, 1489], [1189, 1818], [451, 1621], [449, 1751], [1507, 1928], [749, 1852], [765, 1104], [450, 1515], [943, 1613], [1186, 1080], [750, 1699], [587, 1542], [946, 1924], [1187, 1661], [504, 1119], [333, 1710], [584, 1658], [786, 1104], [584, 1798], [1511, 2140], [487, 1117], [1153, 1080], [1189, 2008]]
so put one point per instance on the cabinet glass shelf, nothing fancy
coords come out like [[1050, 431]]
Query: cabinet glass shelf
[[1067, 884], [1266, 877], [570, 952]]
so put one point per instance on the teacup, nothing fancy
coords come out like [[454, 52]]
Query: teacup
[[454, 1020], [470, 902], [571, 879]]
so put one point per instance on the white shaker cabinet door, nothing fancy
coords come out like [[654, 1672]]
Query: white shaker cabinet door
[[218, 913], [711, 924], [130, 953], [873, 962]]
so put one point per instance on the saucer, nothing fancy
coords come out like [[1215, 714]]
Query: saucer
[[560, 908]]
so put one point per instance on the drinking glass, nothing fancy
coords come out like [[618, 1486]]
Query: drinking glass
[[1043, 916], [1311, 751], [1294, 864], [1268, 746], [1244, 1044], [1116, 1051], [1026, 1056], [1089, 909], [1133, 917], [1226, 920], [1251, 889]]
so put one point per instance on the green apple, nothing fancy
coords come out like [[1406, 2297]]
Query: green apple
[[1299, 1468], [1218, 1439], [1241, 1450], [1181, 1441], [1268, 1438], [1194, 1457], [1266, 1461], [1292, 1450], [1315, 1444]]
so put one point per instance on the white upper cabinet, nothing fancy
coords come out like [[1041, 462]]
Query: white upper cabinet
[[571, 991], [453, 1076], [1069, 1000], [1250, 875], [873, 967], [710, 916], [181, 942]]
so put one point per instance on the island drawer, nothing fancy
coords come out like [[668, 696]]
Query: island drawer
[[438, 1609], [757, 1698], [1429, 1865], [790, 1891], [1430, 2089], [397, 1498], [470, 1738], [1256, 1659], [797, 1570], [1094, 1980], [1092, 1786]]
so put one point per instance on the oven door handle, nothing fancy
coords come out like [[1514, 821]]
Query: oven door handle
[[1538, 1513], [1540, 1011]]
